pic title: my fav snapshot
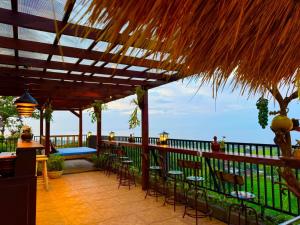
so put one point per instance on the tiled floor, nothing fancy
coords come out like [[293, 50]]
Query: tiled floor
[[93, 198]]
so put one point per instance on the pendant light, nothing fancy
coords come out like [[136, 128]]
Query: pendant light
[[25, 104]]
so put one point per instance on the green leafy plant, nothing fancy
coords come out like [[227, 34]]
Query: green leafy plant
[[97, 107], [99, 161], [134, 120], [262, 106], [55, 163], [48, 113]]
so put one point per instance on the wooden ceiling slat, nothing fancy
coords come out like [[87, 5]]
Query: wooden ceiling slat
[[63, 76], [4, 59], [48, 25], [44, 48]]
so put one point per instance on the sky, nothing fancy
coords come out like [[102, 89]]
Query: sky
[[183, 110], [180, 108]]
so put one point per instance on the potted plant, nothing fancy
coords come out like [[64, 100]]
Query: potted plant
[[55, 166], [26, 134], [99, 161], [134, 119]]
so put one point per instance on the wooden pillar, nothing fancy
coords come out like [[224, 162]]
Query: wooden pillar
[[145, 142], [80, 129], [47, 138], [41, 124], [99, 131]]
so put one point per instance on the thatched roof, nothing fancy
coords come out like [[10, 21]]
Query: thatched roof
[[258, 39]]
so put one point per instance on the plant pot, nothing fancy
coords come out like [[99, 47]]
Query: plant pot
[[26, 136], [55, 174]]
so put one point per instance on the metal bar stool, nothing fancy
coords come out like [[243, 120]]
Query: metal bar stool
[[127, 177], [194, 190], [237, 181], [43, 160], [121, 156], [175, 176], [156, 172]]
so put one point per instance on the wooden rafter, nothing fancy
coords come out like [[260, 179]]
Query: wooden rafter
[[63, 76], [28, 62]]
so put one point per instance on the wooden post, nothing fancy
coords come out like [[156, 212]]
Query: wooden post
[[99, 131], [80, 129], [41, 124], [145, 142], [47, 139]]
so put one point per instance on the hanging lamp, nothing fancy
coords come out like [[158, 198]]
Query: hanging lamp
[[25, 104]]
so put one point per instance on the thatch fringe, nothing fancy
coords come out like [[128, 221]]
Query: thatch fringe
[[258, 39]]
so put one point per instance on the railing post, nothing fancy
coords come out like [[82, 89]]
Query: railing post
[[47, 138], [99, 133], [145, 142], [80, 129], [41, 124]]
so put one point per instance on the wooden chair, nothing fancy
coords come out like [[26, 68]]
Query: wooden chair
[[237, 182], [43, 160], [194, 191]]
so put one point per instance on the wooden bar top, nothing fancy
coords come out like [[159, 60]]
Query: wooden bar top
[[256, 159], [248, 158], [29, 145], [7, 155]]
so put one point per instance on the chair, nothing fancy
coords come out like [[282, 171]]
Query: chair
[[194, 190], [237, 182], [172, 176], [126, 176], [155, 171], [43, 160]]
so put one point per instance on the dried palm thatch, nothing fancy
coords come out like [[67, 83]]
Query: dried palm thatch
[[259, 40]]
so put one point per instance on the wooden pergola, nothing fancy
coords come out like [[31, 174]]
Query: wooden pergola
[[31, 50]]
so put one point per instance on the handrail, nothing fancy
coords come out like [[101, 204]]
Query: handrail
[[291, 221]]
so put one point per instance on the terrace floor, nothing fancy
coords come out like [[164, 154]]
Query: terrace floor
[[92, 198]]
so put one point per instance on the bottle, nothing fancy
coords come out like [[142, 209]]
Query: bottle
[[215, 146], [222, 144]]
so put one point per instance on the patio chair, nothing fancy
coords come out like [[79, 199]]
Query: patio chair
[[173, 178], [194, 191], [156, 172], [242, 196]]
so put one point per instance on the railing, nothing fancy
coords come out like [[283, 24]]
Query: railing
[[65, 141], [8, 144], [260, 178]]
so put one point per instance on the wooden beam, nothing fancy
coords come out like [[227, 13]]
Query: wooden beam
[[47, 139], [70, 5], [63, 76], [80, 129], [145, 144], [49, 84], [28, 62], [99, 131], [48, 25], [41, 124], [74, 52], [75, 113]]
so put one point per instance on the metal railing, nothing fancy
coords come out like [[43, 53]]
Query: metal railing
[[65, 141], [260, 179]]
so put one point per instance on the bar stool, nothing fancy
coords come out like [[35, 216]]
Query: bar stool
[[43, 160], [121, 156], [156, 172], [194, 190], [237, 181], [175, 176], [110, 167], [126, 177]]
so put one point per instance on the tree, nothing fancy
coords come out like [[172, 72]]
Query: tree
[[283, 140], [9, 115]]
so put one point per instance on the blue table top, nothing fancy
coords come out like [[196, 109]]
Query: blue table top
[[76, 151]]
